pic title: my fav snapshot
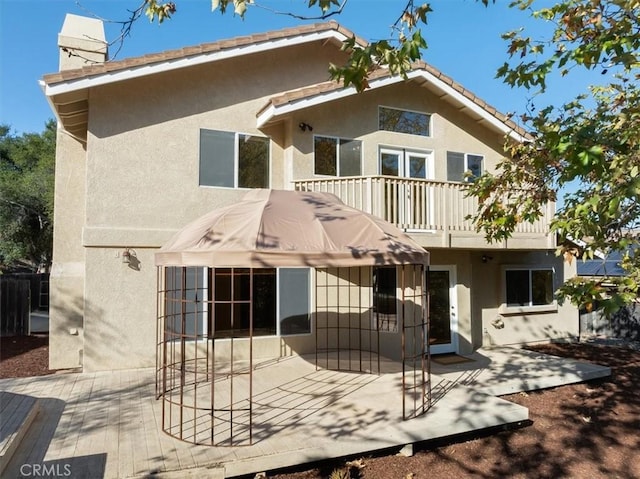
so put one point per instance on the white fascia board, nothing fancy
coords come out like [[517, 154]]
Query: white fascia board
[[52, 105], [583, 244], [198, 59], [470, 104], [274, 111]]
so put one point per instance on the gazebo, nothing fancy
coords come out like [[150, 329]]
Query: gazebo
[[283, 273]]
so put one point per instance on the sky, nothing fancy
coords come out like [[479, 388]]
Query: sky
[[463, 37]]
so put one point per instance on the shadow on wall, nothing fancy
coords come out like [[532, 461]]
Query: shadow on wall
[[72, 339]]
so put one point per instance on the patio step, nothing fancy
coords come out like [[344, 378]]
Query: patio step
[[17, 412]]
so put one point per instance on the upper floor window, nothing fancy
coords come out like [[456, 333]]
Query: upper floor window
[[464, 166], [528, 286], [233, 160], [404, 121], [337, 156]]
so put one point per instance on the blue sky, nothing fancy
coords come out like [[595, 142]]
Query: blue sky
[[463, 37]]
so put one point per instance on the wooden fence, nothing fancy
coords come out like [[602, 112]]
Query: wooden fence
[[19, 295]]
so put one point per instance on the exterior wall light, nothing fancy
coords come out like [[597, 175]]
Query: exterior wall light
[[126, 256]]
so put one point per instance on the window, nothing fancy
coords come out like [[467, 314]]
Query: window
[[233, 160], [404, 121], [294, 305], [463, 166], [529, 287], [281, 301], [337, 156], [185, 287], [384, 298], [234, 289], [406, 163]]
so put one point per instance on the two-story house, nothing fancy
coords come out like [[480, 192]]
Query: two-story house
[[147, 144]]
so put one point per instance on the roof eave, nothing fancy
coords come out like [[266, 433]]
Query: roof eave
[[67, 86], [273, 113]]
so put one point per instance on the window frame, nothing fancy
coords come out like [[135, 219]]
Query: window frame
[[397, 302], [465, 166], [530, 307], [236, 159], [428, 115], [404, 154], [205, 281], [338, 163]]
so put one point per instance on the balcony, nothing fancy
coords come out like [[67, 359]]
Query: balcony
[[432, 212]]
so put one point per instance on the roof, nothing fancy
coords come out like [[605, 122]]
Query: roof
[[278, 228], [610, 265], [67, 91], [421, 72], [204, 52]]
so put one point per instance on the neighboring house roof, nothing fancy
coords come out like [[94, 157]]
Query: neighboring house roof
[[67, 90], [608, 266]]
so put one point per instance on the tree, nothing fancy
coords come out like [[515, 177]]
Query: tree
[[592, 141], [26, 198]]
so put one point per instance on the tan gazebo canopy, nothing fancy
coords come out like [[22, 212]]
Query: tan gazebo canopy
[[276, 228], [215, 296]]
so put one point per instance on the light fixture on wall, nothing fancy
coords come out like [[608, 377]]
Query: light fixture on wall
[[486, 258], [130, 258], [126, 256], [305, 126]]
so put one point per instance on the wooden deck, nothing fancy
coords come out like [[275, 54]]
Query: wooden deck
[[108, 424]]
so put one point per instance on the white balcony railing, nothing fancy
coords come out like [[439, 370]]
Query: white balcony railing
[[411, 204]]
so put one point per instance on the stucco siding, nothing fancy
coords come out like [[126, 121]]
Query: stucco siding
[[66, 307], [503, 327]]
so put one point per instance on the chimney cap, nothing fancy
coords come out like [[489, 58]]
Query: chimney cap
[[82, 41]]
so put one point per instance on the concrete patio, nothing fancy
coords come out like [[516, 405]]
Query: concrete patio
[[108, 424]]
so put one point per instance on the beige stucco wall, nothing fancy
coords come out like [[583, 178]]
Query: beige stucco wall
[[356, 117], [66, 309], [142, 161], [480, 293], [557, 323], [140, 168]]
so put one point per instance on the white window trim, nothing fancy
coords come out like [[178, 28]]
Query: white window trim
[[236, 160], [430, 115], [466, 164], [427, 154], [278, 334], [453, 308], [338, 138], [541, 308]]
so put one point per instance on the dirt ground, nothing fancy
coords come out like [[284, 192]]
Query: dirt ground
[[587, 430]]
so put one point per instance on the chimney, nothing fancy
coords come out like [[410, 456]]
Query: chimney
[[82, 42]]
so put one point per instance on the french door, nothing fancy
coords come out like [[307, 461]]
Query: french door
[[405, 163], [409, 204], [443, 309]]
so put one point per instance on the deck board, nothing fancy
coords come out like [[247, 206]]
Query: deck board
[[111, 422]]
